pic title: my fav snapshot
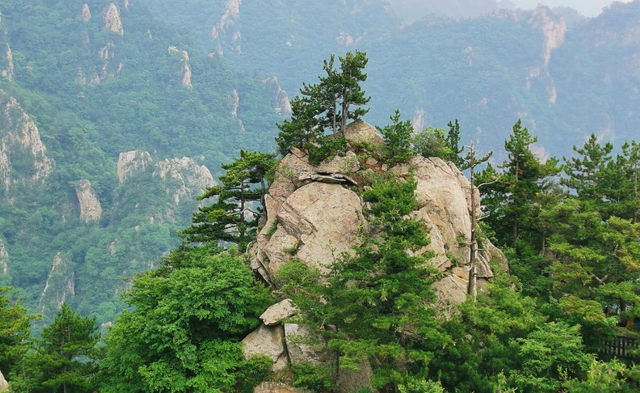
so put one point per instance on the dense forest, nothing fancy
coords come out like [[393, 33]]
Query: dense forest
[[545, 323]]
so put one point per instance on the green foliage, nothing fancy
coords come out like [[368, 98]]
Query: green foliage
[[376, 301], [14, 330], [552, 351], [188, 318], [317, 378], [231, 218], [326, 107], [325, 148], [603, 377], [513, 203], [397, 136], [65, 358]]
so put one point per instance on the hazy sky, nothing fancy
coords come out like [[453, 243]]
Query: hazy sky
[[587, 7]]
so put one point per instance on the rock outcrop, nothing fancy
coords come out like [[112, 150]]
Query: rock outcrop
[[314, 215], [231, 14], [553, 28], [274, 387], [280, 97], [274, 314], [7, 56], [185, 67], [112, 21], [60, 284], [267, 341], [86, 13], [131, 163], [188, 179], [4, 259], [90, 208], [22, 143], [4, 386]]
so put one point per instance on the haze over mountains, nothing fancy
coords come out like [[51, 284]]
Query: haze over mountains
[[116, 115]]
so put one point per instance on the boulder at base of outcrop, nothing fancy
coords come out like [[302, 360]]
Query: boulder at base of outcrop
[[304, 346], [274, 387], [267, 341], [352, 381], [4, 386], [276, 313]]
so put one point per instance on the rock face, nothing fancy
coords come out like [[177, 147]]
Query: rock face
[[4, 386], [189, 179], [280, 97], [90, 208], [274, 314], [22, 143], [60, 284], [4, 259], [185, 67], [7, 56], [86, 13], [111, 18], [274, 387], [554, 30], [131, 163], [267, 341], [313, 215]]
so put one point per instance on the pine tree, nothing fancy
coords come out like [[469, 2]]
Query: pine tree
[[65, 359], [14, 330], [233, 218], [326, 106], [513, 204]]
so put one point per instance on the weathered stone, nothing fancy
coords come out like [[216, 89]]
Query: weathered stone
[[361, 132], [86, 13], [111, 18], [90, 208], [60, 285], [23, 134], [451, 290], [324, 218], [276, 313], [4, 386], [347, 164], [187, 179], [4, 259], [131, 163], [185, 68], [267, 341], [351, 381], [274, 387], [304, 346]]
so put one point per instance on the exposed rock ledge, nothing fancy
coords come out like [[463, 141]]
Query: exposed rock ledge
[[310, 210], [4, 386], [313, 215], [112, 21]]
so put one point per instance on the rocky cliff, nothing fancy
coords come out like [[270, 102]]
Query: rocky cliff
[[20, 146], [4, 386], [314, 214]]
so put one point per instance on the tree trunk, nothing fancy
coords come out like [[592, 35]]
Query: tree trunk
[[472, 289]]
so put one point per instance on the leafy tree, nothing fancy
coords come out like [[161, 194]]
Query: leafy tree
[[14, 330], [548, 354], [397, 136], [184, 331], [65, 358], [376, 302], [232, 218], [453, 144], [629, 195], [606, 377], [431, 142]]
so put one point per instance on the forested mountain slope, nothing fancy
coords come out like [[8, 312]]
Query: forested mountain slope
[[564, 78], [111, 123]]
